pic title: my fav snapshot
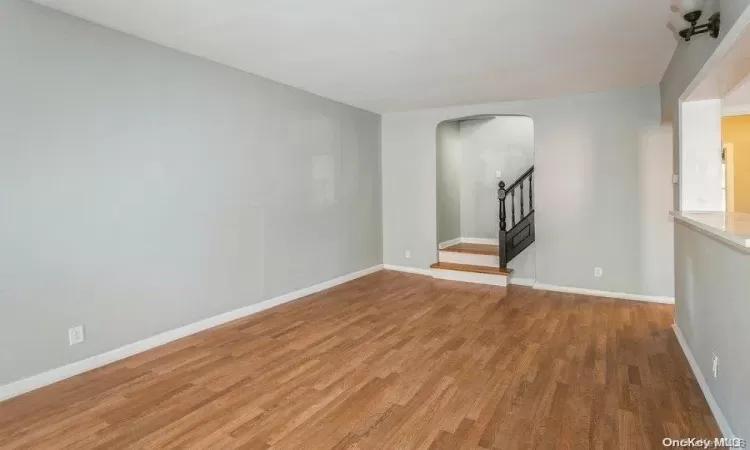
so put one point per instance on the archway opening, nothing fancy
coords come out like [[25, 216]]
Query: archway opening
[[475, 215]]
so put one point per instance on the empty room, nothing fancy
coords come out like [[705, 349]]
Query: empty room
[[352, 224]]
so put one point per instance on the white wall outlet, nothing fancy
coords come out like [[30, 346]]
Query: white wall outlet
[[598, 271], [407, 254], [715, 366], [498, 174], [75, 335]]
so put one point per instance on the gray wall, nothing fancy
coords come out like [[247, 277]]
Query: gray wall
[[712, 308], [144, 189], [503, 143], [448, 181], [603, 188]]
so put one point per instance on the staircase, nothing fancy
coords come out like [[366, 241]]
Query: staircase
[[488, 264]]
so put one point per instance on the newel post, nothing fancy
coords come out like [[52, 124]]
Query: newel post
[[502, 231]]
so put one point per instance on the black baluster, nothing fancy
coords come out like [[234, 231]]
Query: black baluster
[[513, 206], [531, 191], [501, 194], [521, 202]]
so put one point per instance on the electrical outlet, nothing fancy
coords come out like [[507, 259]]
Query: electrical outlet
[[715, 366], [597, 271], [75, 335], [407, 254]]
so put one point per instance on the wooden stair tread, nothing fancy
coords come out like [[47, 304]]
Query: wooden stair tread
[[470, 268], [475, 249]]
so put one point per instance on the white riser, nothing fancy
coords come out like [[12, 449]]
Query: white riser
[[470, 277], [469, 258]]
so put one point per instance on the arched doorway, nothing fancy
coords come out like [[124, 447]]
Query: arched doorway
[[473, 156]]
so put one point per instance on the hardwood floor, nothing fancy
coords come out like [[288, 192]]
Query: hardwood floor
[[392, 361]]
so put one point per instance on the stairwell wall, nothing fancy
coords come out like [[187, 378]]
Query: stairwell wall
[[448, 157], [503, 143]]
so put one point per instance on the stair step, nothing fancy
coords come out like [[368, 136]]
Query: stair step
[[469, 259], [471, 268], [474, 249]]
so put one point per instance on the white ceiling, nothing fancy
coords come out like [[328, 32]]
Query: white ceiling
[[390, 55]]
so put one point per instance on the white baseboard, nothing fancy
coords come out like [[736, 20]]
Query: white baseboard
[[467, 240], [726, 430], [447, 244], [407, 269], [52, 376], [484, 241], [611, 294], [470, 278], [521, 281]]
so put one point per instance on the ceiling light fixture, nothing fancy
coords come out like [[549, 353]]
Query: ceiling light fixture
[[691, 13]]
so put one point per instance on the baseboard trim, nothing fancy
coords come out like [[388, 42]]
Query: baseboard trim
[[610, 294], [467, 240], [407, 269], [484, 241], [545, 287], [449, 243], [521, 281], [721, 420], [17, 388]]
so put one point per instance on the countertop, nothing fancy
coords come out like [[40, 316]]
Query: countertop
[[733, 228]]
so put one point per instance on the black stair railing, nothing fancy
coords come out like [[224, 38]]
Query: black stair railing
[[521, 233], [501, 194]]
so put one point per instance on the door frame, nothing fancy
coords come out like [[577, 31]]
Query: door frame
[[728, 151]]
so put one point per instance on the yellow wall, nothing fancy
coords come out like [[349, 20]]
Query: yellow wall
[[736, 130]]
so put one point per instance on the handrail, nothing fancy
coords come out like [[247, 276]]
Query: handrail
[[520, 179]]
